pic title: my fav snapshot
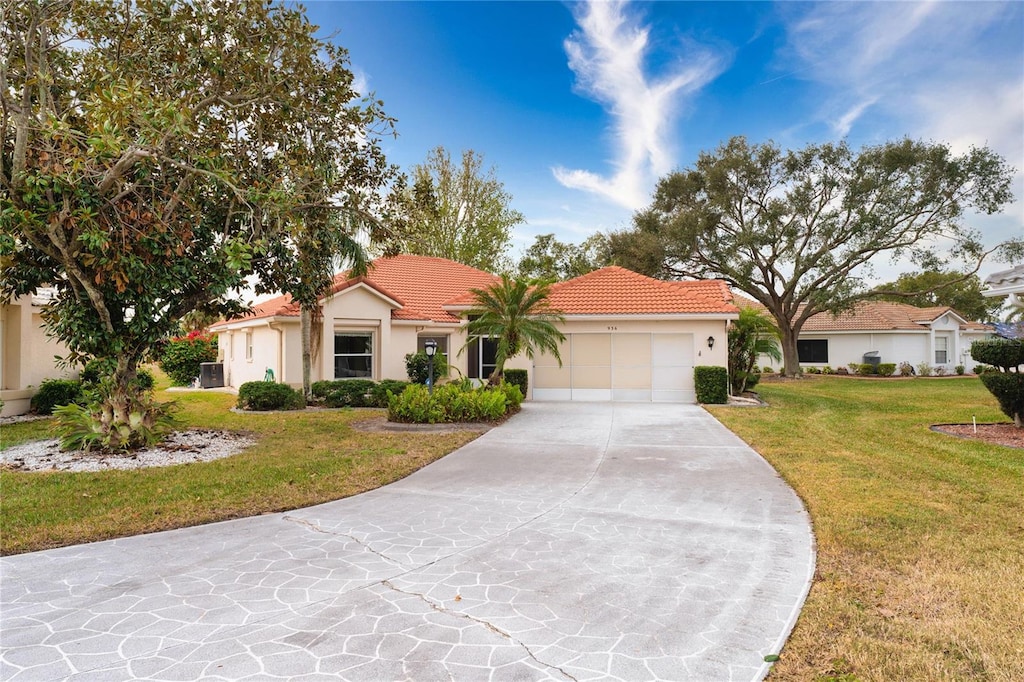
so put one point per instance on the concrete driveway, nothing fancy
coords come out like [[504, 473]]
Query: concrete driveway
[[577, 541]]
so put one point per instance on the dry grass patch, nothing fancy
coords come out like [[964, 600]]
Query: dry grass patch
[[920, 535], [300, 459]]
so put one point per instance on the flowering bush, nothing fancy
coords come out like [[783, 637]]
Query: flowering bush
[[182, 356]]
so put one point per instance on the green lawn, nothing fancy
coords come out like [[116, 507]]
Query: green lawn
[[920, 572], [300, 459]]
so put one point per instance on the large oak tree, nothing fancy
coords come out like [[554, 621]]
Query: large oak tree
[[798, 230]]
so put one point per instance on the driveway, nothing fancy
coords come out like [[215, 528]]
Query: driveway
[[576, 541]]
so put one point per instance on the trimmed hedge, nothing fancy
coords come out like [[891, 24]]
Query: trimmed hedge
[[712, 384], [1008, 388], [266, 395], [887, 369], [518, 377], [55, 392], [356, 392], [454, 402], [1005, 353]]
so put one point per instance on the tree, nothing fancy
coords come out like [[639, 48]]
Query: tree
[[751, 335], [931, 288], [459, 213], [153, 154], [551, 260], [519, 317], [1007, 385], [797, 231]]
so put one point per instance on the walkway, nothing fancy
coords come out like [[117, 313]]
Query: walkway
[[575, 542]]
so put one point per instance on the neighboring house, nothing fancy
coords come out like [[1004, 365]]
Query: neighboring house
[[629, 337], [1009, 283], [27, 354], [897, 332]]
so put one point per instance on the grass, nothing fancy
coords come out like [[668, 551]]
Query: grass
[[300, 459], [920, 535]]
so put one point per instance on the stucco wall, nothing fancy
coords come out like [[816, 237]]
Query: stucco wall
[[26, 355]]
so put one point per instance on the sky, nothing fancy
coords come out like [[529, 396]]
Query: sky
[[580, 107]]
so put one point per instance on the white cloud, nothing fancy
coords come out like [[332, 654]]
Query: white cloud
[[607, 54], [360, 81]]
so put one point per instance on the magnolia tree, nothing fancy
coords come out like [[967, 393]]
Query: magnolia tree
[[798, 231], [156, 153]]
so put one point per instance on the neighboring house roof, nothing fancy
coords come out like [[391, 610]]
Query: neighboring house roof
[[1005, 282], [615, 290], [878, 316], [417, 285]]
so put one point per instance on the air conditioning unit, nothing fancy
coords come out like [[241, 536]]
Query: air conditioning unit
[[211, 374]]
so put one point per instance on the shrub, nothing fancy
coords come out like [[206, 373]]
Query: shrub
[[712, 384], [959, 369], [842, 370], [519, 377], [96, 425], [924, 369], [349, 393], [812, 370], [1004, 353], [866, 369], [767, 369], [1008, 388], [54, 392], [417, 365], [182, 356], [939, 371], [827, 369], [753, 379], [379, 393], [981, 369], [266, 395], [887, 369], [453, 402], [906, 369]]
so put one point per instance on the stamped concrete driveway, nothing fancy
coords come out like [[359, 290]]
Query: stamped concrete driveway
[[575, 542]]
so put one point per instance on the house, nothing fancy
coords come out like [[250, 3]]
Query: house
[[1009, 283], [896, 332], [27, 354], [628, 337]]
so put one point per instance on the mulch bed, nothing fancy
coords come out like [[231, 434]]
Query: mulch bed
[[995, 434]]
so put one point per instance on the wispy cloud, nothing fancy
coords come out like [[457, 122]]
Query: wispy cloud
[[608, 54]]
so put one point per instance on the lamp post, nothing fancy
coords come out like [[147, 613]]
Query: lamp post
[[430, 348]]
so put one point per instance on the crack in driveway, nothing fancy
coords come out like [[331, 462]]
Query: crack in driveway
[[312, 526]]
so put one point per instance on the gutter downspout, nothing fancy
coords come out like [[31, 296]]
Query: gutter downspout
[[280, 351]]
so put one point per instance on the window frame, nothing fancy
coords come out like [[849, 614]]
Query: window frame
[[476, 368], [944, 350], [371, 354], [807, 355]]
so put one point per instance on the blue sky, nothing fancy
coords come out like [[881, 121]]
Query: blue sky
[[580, 107]]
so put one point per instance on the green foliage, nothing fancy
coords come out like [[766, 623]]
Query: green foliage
[[932, 288], [827, 370], [518, 377], [54, 392], [960, 370], [550, 260], [115, 420], [811, 370], [829, 213], [751, 335], [417, 365], [266, 395], [1003, 353], [460, 213], [866, 369], [350, 393], [712, 384], [380, 394], [519, 317], [454, 402], [100, 369], [181, 357], [1008, 388], [886, 369]]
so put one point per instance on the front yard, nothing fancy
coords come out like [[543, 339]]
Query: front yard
[[920, 572]]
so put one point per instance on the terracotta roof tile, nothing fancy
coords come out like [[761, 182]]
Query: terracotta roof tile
[[873, 316], [615, 290]]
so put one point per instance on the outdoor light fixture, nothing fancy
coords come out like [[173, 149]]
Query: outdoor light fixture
[[711, 342], [430, 348]]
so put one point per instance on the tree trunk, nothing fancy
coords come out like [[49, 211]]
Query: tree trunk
[[306, 322], [790, 356]]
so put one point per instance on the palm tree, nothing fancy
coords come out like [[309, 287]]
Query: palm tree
[[752, 335], [519, 317]]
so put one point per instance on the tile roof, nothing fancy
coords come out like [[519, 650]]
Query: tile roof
[[419, 284], [615, 290], [874, 316]]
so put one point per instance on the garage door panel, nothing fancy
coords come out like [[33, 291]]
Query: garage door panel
[[552, 377], [632, 377], [631, 349], [592, 377], [545, 359], [672, 378], [672, 349], [591, 350]]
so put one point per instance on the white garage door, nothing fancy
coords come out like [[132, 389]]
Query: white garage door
[[647, 367]]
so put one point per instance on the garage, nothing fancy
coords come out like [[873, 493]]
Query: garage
[[647, 367], [633, 338]]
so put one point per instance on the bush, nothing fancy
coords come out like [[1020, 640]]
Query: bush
[[1008, 388], [182, 356], [266, 395], [1004, 353], [712, 384], [519, 377], [812, 370], [866, 369], [959, 369], [887, 369], [939, 371], [379, 393], [753, 379], [981, 369], [453, 402], [54, 392], [350, 393], [417, 365], [767, 369], [924, 369], [97, 425], [827, 369], [842, 370], [907, 369]]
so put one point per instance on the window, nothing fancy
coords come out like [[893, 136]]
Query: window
[[353, 355], [248, 345], [812, 350], [482, 355], [941, 350], [441, 341]]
